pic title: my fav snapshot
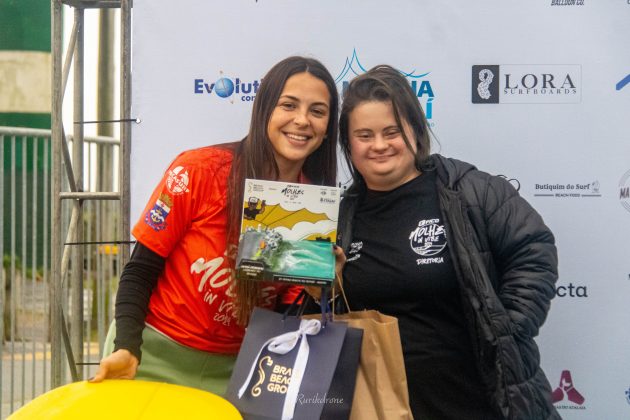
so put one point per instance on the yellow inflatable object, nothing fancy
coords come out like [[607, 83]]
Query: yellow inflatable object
[[124, 399]]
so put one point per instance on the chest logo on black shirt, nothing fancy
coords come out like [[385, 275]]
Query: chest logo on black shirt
[[429, 238], [354, 254]]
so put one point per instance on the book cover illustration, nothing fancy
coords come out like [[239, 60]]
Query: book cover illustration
[[287, 232]]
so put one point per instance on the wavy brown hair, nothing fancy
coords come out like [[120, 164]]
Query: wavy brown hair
[[384, 83], [254, 158]]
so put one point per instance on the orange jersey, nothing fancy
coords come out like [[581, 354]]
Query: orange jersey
[[185, 222]]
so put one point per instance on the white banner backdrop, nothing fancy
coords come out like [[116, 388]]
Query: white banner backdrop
[[552, 118]]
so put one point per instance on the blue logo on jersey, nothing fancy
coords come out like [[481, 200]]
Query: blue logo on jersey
[[156, 217]]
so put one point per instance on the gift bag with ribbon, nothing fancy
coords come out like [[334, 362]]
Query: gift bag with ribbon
[[285, 366]]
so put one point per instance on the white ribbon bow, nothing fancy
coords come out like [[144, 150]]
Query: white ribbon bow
[[283, 344]]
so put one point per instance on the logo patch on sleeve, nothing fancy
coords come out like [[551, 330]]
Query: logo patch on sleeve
[[177, 181], [156, 217]]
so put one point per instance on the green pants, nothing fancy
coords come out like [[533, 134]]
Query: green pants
[[164, 360]]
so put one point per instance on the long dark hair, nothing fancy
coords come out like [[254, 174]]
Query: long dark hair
[[383, 83], [254, 157]]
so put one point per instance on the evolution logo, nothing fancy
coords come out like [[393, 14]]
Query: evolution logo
[[226, 87], [577, 190], [624, 190], [420, 83], [526, 84], [566, 392]]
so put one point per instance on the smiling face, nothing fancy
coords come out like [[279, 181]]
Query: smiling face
[[377, 148], [297, 126]]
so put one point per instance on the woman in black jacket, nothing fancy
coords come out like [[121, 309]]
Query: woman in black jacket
[[466, 265]]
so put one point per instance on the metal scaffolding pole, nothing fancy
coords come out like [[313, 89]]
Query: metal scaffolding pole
[[76, 282], [55, 234], [60, 253], [125, 127]]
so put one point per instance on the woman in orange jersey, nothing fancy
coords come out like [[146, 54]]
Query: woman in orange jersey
[[180, 314]]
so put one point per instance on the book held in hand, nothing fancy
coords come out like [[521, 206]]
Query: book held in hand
[[287, 232]]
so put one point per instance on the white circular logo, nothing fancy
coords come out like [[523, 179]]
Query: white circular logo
[[177, 181], [428, 238]]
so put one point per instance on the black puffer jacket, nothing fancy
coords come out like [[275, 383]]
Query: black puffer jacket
[[506, 263]]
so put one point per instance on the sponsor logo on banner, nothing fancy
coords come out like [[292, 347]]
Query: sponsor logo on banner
[[527, 84], [420, 83], [515, 182], [624, 190], [570, 190], [567, 2], [245, 90], [566, 396], [485, 84], [231, 88], [623, 82], [571, 291]]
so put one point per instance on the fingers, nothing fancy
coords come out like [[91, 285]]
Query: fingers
[[339, 255], [119, 365], [340, 259], [100, 374]]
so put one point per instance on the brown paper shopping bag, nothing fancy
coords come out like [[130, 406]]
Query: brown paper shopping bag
[[381, 388]]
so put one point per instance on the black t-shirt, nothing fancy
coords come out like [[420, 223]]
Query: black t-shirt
[[399, 264]]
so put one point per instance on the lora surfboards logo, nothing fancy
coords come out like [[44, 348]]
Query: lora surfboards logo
[[526, 84], [419, 82]]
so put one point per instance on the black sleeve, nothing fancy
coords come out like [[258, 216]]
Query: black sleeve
[[525, 253], [137, 281]]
